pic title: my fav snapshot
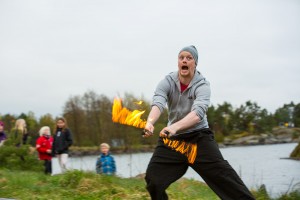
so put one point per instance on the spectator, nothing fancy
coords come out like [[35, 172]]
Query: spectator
[[20, 132], [44, 147], [2, 134], [105, 163], [62, 141]]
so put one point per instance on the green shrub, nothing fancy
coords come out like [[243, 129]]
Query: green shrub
[[19, 158], [295, 195], [72, 178], [261, 193]]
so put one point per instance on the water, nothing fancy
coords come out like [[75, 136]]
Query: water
[[255, 164]]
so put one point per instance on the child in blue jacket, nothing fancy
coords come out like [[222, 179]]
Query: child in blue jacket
[[105, 163]]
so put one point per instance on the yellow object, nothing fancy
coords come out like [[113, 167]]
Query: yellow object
[[185, 148], [122, 115]]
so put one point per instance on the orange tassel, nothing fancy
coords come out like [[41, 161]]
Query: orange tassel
[[187, 149]]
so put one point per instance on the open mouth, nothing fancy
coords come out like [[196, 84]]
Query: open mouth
[[184, 68]]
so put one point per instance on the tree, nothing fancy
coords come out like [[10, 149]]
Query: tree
[[220, 119], [9, 121], [264, 121], [246, 117], [47, 120], [284, 115], [31, 122], [296, 115], [75, 116]]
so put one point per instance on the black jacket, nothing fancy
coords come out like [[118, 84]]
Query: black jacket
[[62, 141]]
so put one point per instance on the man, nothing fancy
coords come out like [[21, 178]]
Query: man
[[187, 140]]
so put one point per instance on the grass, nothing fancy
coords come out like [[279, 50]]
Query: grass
[[84, 185], [77, 185]]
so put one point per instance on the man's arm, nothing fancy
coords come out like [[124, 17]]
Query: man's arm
[[188, 121], [158, 104], [152, 118]]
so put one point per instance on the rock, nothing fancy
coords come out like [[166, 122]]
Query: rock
[[264, 135], [271, 140], [285, 138], [253, 142], [227, 141], [252, 139], [221, 145]]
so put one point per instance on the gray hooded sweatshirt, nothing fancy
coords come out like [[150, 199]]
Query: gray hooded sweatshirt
[[195, 98]]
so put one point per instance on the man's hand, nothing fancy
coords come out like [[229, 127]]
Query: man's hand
[[167, 132], [149, 129]]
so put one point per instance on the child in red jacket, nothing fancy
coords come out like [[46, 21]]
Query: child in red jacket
[[44, 146]]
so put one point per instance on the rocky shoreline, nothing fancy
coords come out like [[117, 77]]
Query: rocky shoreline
[[277, 136], [262, 139]]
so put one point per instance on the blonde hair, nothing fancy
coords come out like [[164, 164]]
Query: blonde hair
[[21, 125], [104, 145], [42, 130]]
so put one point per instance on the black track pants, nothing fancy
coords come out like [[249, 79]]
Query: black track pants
[[166, 166], [48, 166]]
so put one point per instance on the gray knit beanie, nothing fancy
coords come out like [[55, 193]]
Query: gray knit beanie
[[191, 49]]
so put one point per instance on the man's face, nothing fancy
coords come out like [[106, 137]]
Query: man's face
[[1, 128], [186, 64]]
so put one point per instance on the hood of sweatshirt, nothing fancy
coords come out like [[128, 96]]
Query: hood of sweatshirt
[[198, 77]]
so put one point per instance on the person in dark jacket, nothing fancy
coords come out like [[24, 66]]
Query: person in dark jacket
[[62, 141], [44, 148], [105, 163], [2, 134]]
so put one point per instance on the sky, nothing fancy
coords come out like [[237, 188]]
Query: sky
[[51, 50]]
